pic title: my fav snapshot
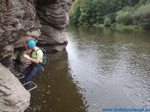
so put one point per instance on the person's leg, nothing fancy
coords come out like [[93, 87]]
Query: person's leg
[[26, 72], [33, 72]]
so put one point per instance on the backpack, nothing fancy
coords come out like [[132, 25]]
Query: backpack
[[44, 55]]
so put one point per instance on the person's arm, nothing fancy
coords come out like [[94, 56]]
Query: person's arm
[[37, 60]]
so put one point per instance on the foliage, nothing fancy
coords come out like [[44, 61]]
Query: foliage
[[107, 12], [75, 11], [142, 16], [98, 25], [107, 22], [141, 2], [124, 18], [112, 16], [76, 16], [127, 27]]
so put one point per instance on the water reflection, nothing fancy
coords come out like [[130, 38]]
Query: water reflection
[[56, 91], [112, 66], [102, 68]]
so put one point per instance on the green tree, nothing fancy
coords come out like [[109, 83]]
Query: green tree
[[96, 11], [124, 17], [75, 11], [142, 16], [77, 15], [107, 21]]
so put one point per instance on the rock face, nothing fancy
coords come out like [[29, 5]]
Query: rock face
[[13, 97], [53, 16], [16, 18], [41, 20]]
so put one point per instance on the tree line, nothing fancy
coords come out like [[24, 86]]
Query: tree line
[[111, 12]]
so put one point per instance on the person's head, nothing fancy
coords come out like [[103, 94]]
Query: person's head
[[31, 44]]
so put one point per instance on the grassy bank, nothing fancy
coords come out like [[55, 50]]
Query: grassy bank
[[119, 26], [98, 25]]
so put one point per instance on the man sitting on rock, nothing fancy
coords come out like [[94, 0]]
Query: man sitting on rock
[[36, 57]]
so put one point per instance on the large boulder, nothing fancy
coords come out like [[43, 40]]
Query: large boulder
[[13, 96], [53, 16]]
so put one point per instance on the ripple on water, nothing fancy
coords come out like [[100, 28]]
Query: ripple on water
[[101, 68]]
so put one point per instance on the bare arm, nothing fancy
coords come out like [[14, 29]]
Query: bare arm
[[37, 60]]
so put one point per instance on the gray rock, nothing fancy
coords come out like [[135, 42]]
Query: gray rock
[[13, 96], [54, 18], [14, 13]]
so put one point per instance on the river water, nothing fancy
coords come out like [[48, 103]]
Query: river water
[[100, 68]]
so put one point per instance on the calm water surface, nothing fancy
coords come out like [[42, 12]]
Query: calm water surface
[[101, 68]]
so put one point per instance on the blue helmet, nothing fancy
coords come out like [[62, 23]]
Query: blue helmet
[[31, 43]]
